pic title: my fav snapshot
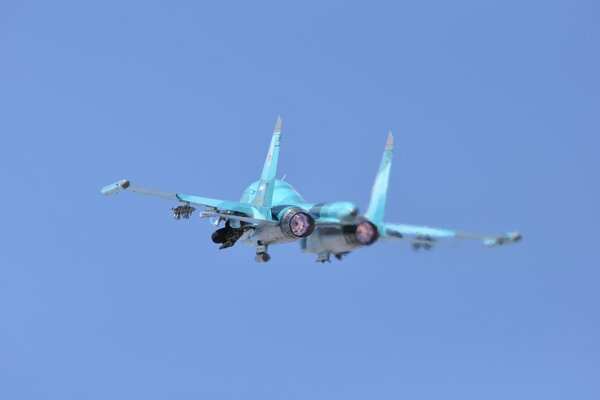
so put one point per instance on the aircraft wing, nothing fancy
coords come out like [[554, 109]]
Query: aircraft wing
[[426, 236], [215, 207]]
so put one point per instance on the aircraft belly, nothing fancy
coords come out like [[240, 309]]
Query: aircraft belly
[[266, 235], [328, 240]]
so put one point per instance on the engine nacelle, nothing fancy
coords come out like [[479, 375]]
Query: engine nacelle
[[340, 239], [295, 223]]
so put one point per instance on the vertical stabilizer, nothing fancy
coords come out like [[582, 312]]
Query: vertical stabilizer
[[264, 193], [379, 192]]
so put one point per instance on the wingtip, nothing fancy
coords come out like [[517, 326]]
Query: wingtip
[[116, 187], [389, 144], [516, 236], [508, 238], [278, 124]]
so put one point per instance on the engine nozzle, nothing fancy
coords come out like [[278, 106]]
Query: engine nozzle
[[296, 223], [366, 233]]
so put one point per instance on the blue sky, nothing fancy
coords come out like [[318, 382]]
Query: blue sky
[[495, 107]]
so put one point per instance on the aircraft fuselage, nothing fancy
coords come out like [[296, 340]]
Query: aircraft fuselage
[[336, 223]]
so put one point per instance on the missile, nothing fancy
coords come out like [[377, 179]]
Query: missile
[[115, 187]]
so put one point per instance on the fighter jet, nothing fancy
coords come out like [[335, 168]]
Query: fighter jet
[[271, 211]]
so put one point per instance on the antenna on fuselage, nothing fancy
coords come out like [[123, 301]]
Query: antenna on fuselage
[[264, 193], [376, 208]]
